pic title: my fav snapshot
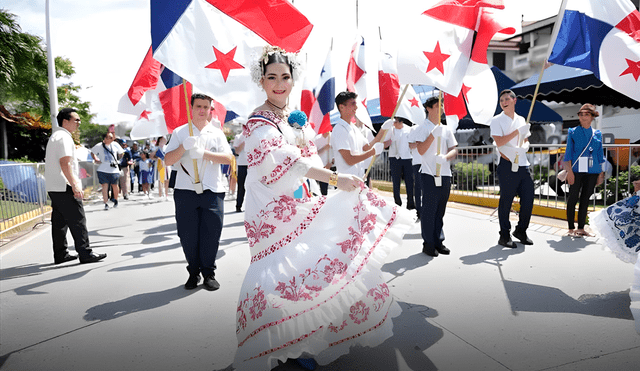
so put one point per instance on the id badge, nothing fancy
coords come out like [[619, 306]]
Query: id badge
[[197, 187], [583, 165]]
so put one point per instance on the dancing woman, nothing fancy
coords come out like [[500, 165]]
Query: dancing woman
[[619, 225], [314, 286]]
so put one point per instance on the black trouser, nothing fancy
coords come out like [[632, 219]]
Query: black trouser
[[582, 188], [417, 186], [242, 176], [511, 185], [434, 206], [402, 168], [68, 214]]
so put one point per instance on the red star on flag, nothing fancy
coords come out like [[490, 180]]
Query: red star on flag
[[414, 102], [224, 62], [436, 59], [364, 102], [633, 69], [144, 115]]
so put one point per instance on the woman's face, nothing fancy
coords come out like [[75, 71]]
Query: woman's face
[[277, 83], [636, 185], [585, 118]]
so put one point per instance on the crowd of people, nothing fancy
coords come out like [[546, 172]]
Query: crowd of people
[[337, 240]]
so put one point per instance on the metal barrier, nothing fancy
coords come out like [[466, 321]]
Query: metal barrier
[[474, 173], [23, 195]]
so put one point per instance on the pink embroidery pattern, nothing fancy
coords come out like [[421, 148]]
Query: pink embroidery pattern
[[259, 153], [362, 332], [256, 232], [288, 343], [365, 226], [359, 312], [291, 236], [285, 208], [336, 329], [379, 294], [375, 200], [257, 304], [256, 121], [333, 269], [302, 291], [279, 170]]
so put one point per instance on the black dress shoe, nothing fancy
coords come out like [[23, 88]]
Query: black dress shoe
[[210, 283], [238, 209], [522, 236], [93, 258], [430, 252], [66, 258], [507, 242], [192, 282], [443, 250]]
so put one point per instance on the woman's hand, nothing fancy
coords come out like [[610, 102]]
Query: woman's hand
[[570, 178], [600, 179], [348, 182]]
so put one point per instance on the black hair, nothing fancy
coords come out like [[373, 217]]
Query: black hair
[[404, 120], [200, 96], [275, 57], [507, 91], [430, 102], [65, 114], [344, 96]]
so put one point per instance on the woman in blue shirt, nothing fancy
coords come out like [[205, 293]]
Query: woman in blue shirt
[[583, 161]]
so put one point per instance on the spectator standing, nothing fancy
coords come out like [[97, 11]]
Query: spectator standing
[[400, 160], [107, 154], [65, 191], [125, 163], [241, 160]]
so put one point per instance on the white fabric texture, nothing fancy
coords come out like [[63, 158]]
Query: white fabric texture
[[344, 136], [106, 158], [60, 145], [429, 157], [314, 286], [502, 125]]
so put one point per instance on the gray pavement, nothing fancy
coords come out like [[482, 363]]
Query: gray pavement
[[561, 304]]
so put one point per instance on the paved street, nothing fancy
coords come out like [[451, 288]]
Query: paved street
[[561, 304]]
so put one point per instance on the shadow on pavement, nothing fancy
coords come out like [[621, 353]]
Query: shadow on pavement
[[136, 303], [400, 267], [151, 250], [27, 289], [412, 335], [156, 218], [144, 266], [527, 297], [497, 253], [569, 245]]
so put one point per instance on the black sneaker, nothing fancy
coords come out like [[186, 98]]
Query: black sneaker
[[106, 207], [192, 282], [522, 236], [210, 283], [115, 203], [507, 242], [443, 250]]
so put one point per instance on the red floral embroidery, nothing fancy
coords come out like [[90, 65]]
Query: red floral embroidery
[[256, 304], [337, 329], [359, 312], [285, 208], [257, 232], [375, 200], [303, 291], [379, 294], [333, 269], [352, 246]]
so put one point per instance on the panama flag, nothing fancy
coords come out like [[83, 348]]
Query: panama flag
[[356, 80], [212, 43], [411, 107], [324, 98], [479, 88], [604, 38], [388, 84]]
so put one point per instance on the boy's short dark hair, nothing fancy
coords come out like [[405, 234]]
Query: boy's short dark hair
[[507, 91], [200, 96], [430, 102], [65, 114], [344, 96]]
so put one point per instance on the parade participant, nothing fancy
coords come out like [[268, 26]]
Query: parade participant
[[619, 225], [199, 192], [238, 145], [125, 163], [314, 286], [163, 169], [510, 132], [108, 154], [436, 184], [583, 161], [348, 152], [400, 160], [65, 191], [418, 133], [323, 144]]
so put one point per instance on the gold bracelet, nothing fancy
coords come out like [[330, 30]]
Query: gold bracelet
[[333, 179]]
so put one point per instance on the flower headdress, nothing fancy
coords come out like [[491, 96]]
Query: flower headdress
[[257, 68]]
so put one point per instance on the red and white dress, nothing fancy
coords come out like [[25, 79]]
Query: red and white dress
[[314, 287]]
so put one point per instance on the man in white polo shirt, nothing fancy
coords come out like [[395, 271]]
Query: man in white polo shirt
[[348, 155], [199, 205], [510, 132], [65, 191]]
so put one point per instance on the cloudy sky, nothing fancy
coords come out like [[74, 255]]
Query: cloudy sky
[[106, 40]]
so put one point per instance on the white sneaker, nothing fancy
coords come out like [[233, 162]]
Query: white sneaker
[[150, 196]]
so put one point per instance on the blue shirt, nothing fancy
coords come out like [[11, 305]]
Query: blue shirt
[[576, 142]]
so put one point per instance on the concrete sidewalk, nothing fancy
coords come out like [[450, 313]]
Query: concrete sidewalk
[[561, 304]]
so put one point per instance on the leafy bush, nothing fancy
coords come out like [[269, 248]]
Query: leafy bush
[[616, 188], [541, 173], [468, 176]]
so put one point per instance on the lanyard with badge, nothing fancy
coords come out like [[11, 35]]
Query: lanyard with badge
[[585, 163]]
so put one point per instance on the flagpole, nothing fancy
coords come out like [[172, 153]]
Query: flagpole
[[439, 166], [383, 131], [53, 90], [186, 99]]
